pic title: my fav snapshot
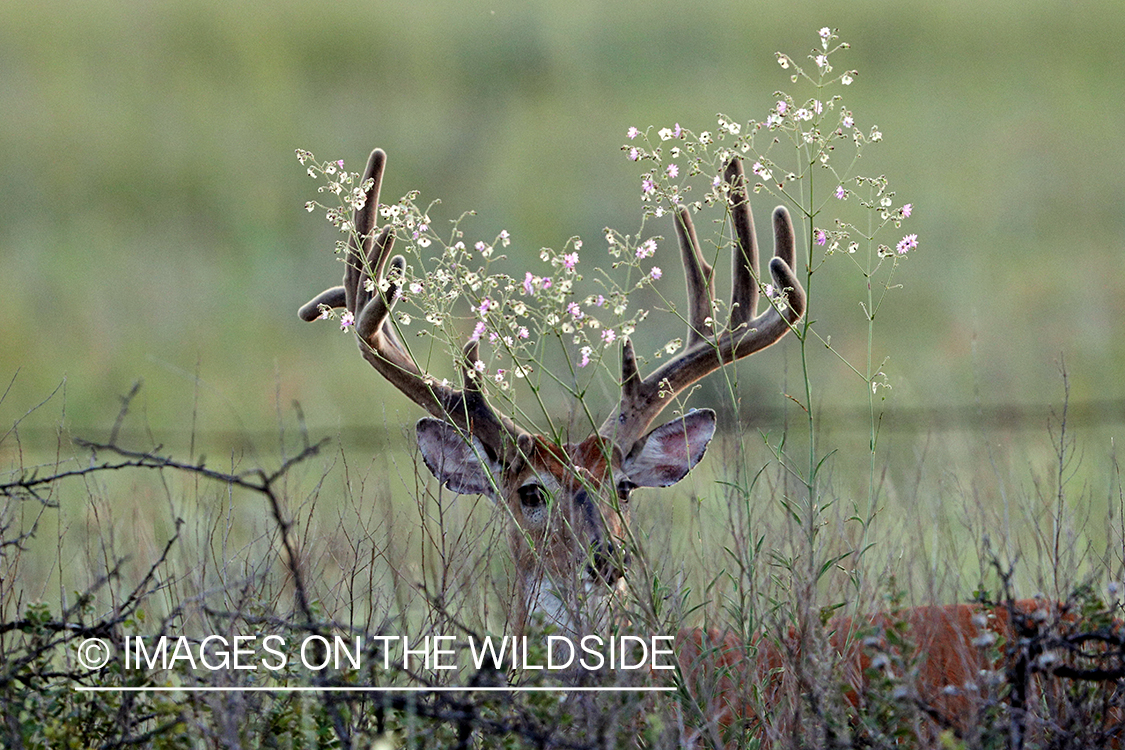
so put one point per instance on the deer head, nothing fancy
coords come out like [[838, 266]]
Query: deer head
[[569, 503]]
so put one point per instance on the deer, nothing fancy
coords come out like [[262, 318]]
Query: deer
[[569, 504]]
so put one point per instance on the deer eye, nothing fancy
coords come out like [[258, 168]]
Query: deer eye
[[532, 495]]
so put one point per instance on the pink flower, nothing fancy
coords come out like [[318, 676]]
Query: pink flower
[[655, 273], [907, 243], [673, 171], [634, 153], [585, 356], [907, 210], [486, 305], [570, 260], [646, 249], [478, 331], [575, 311], [527, 283], [523, 334], [821, 237], [632, 132], [840, 192], [609, 336], [648, 186], [346, 321]]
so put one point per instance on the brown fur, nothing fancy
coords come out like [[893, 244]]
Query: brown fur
[[952, 652]]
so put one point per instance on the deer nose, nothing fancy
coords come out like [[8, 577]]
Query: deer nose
[[608, 563]]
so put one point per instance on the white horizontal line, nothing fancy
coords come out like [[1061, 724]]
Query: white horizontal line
[[237, 689]]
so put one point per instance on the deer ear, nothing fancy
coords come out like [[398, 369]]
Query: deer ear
[[461, 465], [665, 455]]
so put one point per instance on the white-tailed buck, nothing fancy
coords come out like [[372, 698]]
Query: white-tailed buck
[[569, 503]]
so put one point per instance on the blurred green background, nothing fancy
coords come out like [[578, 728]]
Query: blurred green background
[[152, 223]]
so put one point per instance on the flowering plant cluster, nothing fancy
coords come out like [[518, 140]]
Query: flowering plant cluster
[[456, 287]]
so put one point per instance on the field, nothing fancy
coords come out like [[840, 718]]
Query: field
[[180, 455]]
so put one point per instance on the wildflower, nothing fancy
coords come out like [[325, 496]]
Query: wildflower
[[782, 106], [585, 351], [907, 243], [485, 305], [505, 238], [846, 79], [826, 33], [665, 133], [546, 282], [479, 366], [821, 237], [648, 186], [478, 331], [570, 260], [673, 171], [803, 114], [818, 106], [346, 320], [499, 376], [575, 311], [677, 132], [783, 61], [646, 249], [655, 273], [609, 336], [907, 210], [632, 132], [634, 153], [523, 333], [822, 62], [310, 206], [840, 192], [527, 283]]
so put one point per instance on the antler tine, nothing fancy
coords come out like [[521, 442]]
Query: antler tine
[[363, 220], [370, 290], [642, 399], [744, 291], [700, 279]]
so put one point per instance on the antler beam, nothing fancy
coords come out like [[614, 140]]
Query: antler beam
[[707, 349], [369, 292]]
